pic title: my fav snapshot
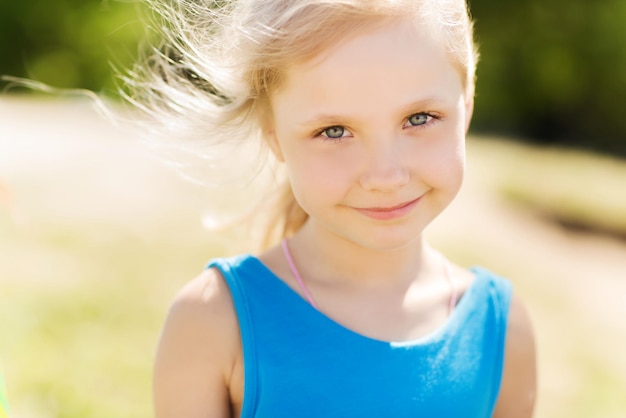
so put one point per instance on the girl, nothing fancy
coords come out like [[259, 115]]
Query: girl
[[366, 103]]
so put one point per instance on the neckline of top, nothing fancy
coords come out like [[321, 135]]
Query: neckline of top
[[429, 338]]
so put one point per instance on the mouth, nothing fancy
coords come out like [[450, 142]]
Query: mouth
[[389, 212]]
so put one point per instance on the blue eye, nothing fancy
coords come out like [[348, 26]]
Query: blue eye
[[334, 132], [419, 119]]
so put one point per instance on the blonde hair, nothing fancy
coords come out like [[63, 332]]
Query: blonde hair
[[221, 60]]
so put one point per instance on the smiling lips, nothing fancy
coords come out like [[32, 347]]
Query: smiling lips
[[388, 213]]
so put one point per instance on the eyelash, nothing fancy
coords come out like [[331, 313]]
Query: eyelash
[[431, 118]]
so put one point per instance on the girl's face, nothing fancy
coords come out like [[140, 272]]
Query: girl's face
[[372, 133]]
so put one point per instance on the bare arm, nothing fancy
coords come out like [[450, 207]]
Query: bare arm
[[197, 352], [519, 381]]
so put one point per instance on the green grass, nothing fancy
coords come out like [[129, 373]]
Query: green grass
[[82, 306], [575, 188]]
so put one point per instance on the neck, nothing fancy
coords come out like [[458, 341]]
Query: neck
[[325, 257]]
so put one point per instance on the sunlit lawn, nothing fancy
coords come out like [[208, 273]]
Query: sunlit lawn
[[81, 311], [83, 292], [573, 187]]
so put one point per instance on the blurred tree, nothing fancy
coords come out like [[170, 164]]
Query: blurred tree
[[553, 71], [68, 43]]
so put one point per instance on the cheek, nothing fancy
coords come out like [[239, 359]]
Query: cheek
[[457, 168], [445, 163], [318, 176], [456, 163], [307, 173], [321, 160]]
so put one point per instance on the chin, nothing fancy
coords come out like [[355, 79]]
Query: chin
[[390, 240]]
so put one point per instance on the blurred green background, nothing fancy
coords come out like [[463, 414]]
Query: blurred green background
[[96, 237], [552, 71], [70, 43]]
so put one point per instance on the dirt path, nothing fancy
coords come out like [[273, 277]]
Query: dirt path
[[574, 284]]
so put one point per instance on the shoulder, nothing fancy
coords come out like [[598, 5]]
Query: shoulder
[[518, 388], [198, 350], [203, 312], [202, 300]]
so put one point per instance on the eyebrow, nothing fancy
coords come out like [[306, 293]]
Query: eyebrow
[[329, 119]]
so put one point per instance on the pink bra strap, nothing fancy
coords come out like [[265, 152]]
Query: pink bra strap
[[454, 292], [296, 274]]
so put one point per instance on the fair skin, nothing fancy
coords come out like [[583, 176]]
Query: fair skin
[[373, 158]]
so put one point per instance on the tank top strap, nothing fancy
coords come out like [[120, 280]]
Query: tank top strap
[[230, 270], [499, 292], [499, 289]]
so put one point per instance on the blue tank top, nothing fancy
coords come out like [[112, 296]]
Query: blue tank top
[[299, 363]]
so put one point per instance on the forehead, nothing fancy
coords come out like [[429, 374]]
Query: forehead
[[387, 66]]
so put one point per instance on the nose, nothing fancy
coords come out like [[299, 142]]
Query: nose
[[385, 169]]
